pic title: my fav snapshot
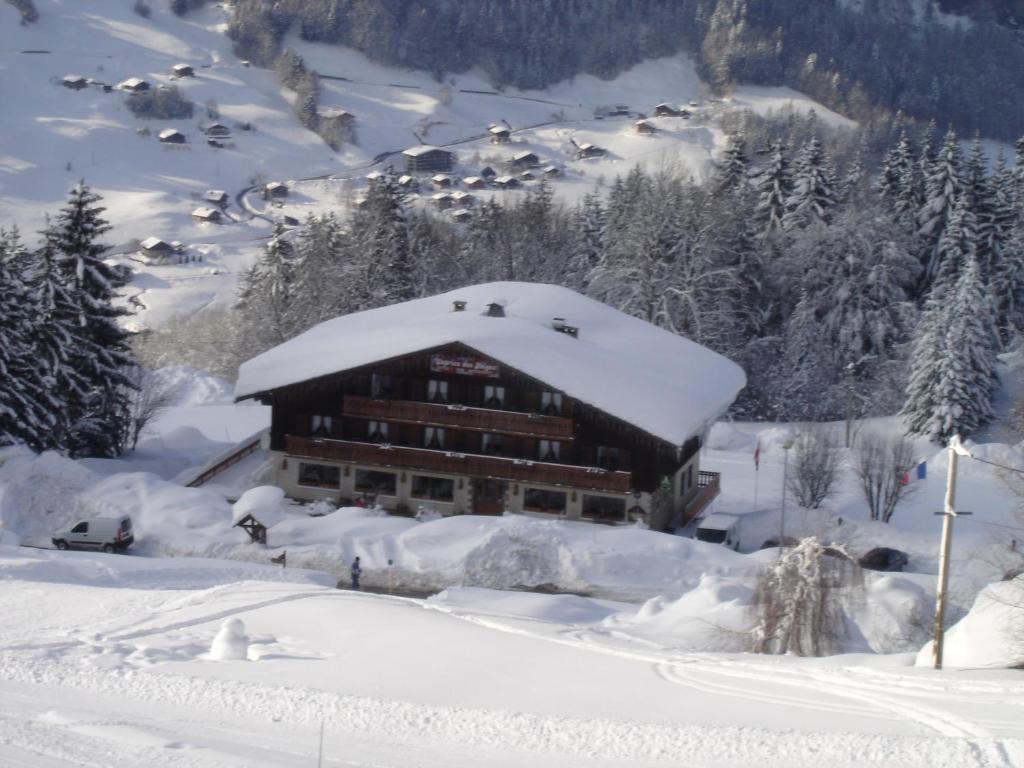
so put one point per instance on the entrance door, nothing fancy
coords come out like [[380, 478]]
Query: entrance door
[[489, 496]]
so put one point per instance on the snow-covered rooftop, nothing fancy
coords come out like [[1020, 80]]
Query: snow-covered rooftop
[[422, 150], [662, 383]]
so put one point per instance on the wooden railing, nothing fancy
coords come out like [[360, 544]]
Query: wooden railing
[[709, 484], [459, 417], [247, 447], [452, 463]]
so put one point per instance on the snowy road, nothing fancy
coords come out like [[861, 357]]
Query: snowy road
[[115, 673]]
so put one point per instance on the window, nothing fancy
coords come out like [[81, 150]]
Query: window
[[550, 450], [606, 509], [537, 500], [322, 426], [689, 477], [491, 443], [377, 431], [319, 475], [551, 403], [433, 437], [81, 528], [372, 481], [437, 391], [608, 458], [494, 396], [433, 488], [380, 385]]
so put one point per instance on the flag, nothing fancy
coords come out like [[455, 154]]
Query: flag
[[757, 456], [922, 470]]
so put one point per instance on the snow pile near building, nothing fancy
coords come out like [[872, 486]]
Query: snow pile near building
[[230, 643], [990, 635], [262, 502]]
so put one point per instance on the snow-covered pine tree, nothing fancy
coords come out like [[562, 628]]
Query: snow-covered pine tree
[[100, 353], [26, 403], [774, 185], [733, 172], [1003, 240], [382, 231], [943, 188], [969, 375], [900, 183], [953, 374], [958, 244], [589, 223], [813, 196]]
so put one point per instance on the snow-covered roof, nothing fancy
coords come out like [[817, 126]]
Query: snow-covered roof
[[168, 133], [154, 243], [523, 155], [374, 175], [472, 180], [206, 213], [499, 180], [215, 194], [662, 383], [422, 150], [132, 82], [498, 129]]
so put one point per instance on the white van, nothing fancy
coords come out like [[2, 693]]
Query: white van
[[111, 534], [719, 528]]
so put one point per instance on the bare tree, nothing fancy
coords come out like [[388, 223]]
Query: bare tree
[[149, 397], [801, 600], [881, 463], [814, 465]]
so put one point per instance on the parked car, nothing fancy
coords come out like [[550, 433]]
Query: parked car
[[719, 528], [111, 534]]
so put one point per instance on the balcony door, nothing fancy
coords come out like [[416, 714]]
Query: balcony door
[[489, 496]]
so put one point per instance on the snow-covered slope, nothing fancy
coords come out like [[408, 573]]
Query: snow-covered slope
[[50, 136]]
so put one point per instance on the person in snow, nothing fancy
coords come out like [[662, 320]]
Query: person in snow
[[357, 570]]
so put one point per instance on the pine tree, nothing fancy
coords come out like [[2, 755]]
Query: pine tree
[[100, 354], [774, 186], [943, 188], [26, 403], [900, 183], [813, 197], [1003, 247], [383, 234], [926, 366], [588, 241], [732, 174], [957, 246]]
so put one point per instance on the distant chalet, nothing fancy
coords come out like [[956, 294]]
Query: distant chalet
[[218, 131], [275, 190], [183, 70], [134, 85], [216, 197], [499, 134], [427, 159], [513, 397], [75, 82], [207, 215], [171, 136]]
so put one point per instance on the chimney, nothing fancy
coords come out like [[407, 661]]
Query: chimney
[[495, 310], [558, 323], [458, 306]]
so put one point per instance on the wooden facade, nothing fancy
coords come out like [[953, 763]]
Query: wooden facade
[[464, 433]]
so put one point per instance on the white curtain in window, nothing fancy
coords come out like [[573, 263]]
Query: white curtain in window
[[322, 425], [378, 430], [494, 396], [549, 450], [551, 402], [437, 391], [433, 437]]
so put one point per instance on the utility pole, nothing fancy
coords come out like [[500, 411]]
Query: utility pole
[[786, 445], [956, 449]]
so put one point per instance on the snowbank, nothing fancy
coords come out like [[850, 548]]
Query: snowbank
[[262, 502], [990, 635]]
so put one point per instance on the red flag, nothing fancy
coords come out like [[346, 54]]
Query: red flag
[[757, 456]]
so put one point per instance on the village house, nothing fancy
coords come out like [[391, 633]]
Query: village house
[[505, 182], [487, 173], [427, 159], [474, 182], [584, 151], [527, 176], [517, 397], [462, 198], [75, 82], [341, 116], [408, 182], [207, 215], [462, 215], [216, 197], [218, 131], [619, 110], [155, 251], [500, 134], [183, 70], [133, 85], [171, 136], [525, 159], [552, 172], [644, 127], [441, 181], [373, 176], [442, 200], [665, 110], [275, 190]]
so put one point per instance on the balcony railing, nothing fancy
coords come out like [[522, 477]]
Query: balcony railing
[[452, 463], [459, 417]]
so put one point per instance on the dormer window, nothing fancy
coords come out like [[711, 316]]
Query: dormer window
[[321, 426], [491, 443], [550, 450], [494, 397], [377, 431], [433, 437], [380, 386], [608, 458], [437, 391], [551, 403]]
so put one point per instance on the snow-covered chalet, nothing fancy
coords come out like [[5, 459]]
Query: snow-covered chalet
[[503, 396]]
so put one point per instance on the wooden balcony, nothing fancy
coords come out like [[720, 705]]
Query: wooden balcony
[[460, 417], [710, 486], [451, 463]]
